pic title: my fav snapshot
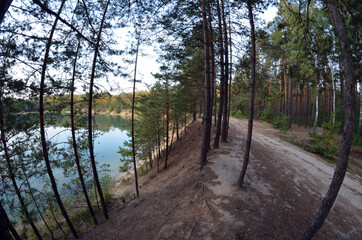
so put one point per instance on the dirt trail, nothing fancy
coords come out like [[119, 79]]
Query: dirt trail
[[283, 189]]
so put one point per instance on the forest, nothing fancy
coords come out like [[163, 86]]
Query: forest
[[65, 62]]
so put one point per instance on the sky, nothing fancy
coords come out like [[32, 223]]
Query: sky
[[147, 64], [147, 61]]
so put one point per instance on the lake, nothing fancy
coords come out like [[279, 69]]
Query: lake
[[112, 131]]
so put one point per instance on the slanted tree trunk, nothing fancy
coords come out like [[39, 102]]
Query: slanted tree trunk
[[7, 231], [132, 120], [90, 108], [55, 219], [207, 115], [347, 139], [251, 100], [222, 80], [42, 127], [11, 172], [74, 140], [224, 129], [34, 200]]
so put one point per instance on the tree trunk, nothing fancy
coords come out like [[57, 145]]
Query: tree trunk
[[347, 139], [74, 141], [11, 172], [285, 88], [167, 110], [341, 78], [324, 103], [360, 105], [90, 108], [159, 150], [150, 158], [316, 111], [207, 115], [6, 228], [251, 101], [177, 129], [224, 129], [222, 80], [42, 128], [213, 71], [306, 108], [55, 219], [132, 120], [299, 105], [34, 200], [230, 74]]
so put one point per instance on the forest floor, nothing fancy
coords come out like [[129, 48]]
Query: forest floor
[[283, 188]]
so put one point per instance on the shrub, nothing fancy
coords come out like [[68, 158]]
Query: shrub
[[281, 122], [239, 113], [267, 114], [357, 139], [107, 185], [324, 144]]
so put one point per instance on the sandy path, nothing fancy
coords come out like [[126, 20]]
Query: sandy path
[[283, 189]]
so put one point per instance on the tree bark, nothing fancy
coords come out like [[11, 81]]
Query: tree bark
[[230, 75], [11, 171], [35, 202], [222, 80], [213, 71], [285, 88], [90, 108], [205, 139], [167, 111], [224, 129], [74, 141], [42, 128], [347, 139], [251, 101], [316, 111], [132, 120], [306, 108], [6, 228]]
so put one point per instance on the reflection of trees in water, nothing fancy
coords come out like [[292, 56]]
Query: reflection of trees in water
[[105, 123]]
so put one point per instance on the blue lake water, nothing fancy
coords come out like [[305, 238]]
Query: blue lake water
[[112, 133]]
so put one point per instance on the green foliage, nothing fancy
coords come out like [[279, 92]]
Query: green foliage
[[126, 156], [267, 114], [324, 144], [282, 122], [357, 140], [107, 186], [241, 113]]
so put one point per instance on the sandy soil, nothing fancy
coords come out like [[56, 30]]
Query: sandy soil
[[283, 189]]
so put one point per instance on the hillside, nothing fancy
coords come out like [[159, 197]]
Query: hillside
[[284, 187]]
